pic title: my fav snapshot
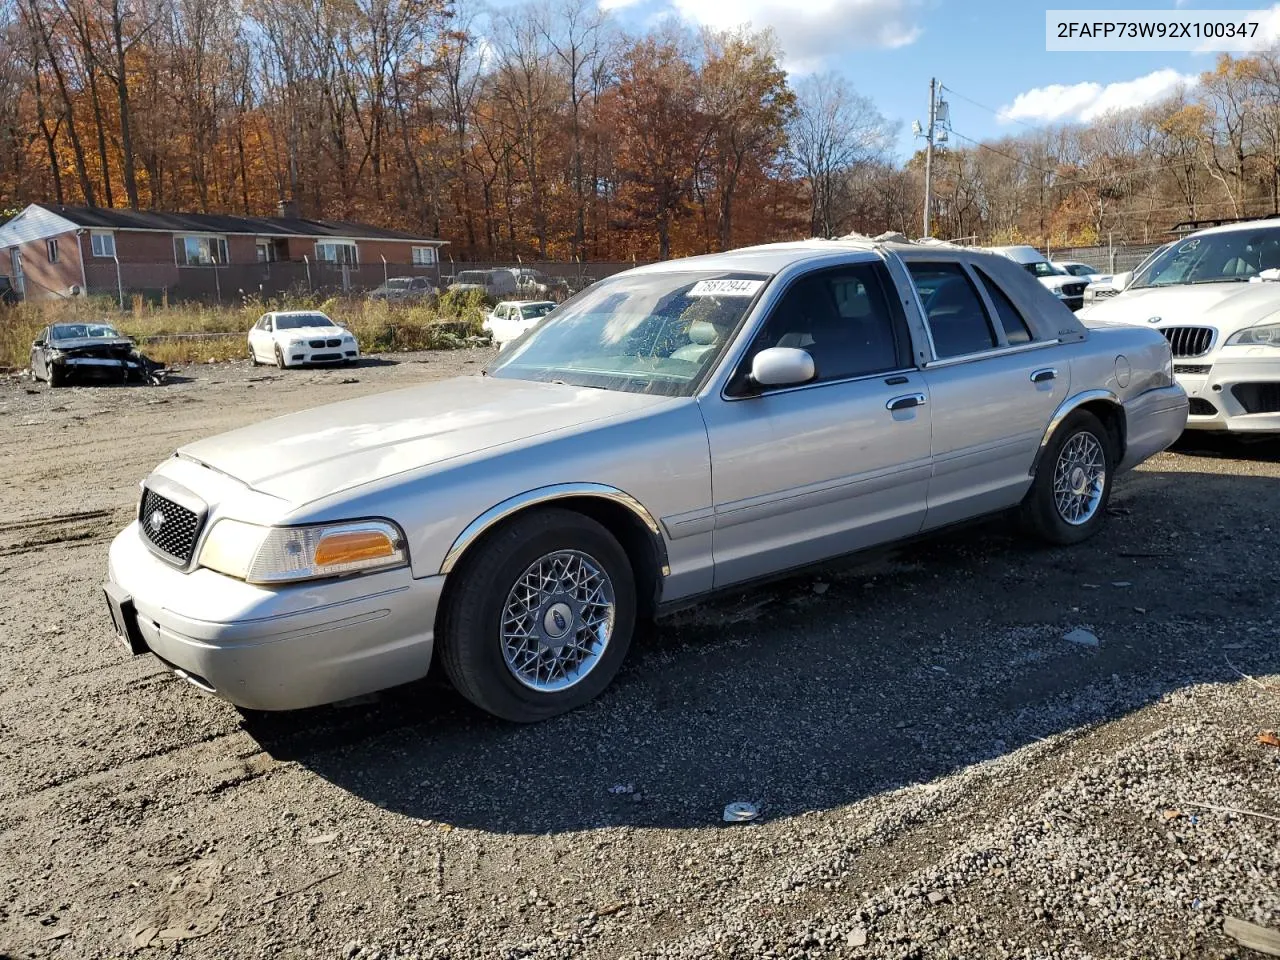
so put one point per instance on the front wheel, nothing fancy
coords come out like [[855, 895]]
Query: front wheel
[[54, 375], [541, 616], [1067, 502], [279, 357]]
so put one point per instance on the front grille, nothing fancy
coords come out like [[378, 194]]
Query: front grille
[[1074, 289], [1189, 341], [1258, 397], [1192, 367], [1103, 293], [316, 344], [333, 343], [170, 528], [321, 357], [1202, 408]]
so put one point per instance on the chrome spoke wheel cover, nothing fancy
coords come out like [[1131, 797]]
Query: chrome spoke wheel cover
[[557, 621], [1079, 478]]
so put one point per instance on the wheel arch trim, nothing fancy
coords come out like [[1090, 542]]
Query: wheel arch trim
[[1065, 409], [550, 494]]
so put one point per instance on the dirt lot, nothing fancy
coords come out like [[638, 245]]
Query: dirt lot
[[940, 772]]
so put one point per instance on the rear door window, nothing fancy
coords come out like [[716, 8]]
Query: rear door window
[[1015, 325], [954, 311]]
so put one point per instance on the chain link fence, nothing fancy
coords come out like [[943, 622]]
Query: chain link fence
[[229, 284], [1106, 259]]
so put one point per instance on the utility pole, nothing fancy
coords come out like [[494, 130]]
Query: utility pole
[[928, 152]]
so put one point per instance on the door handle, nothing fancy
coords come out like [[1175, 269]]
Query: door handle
[[1041, 376], [907, 402]]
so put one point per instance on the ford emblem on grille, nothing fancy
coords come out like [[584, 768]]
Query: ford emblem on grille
[[1153, 319], [155, 521]]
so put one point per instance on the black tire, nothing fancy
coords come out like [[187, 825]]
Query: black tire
[[253, 357], [279, 357], [1039, 515], [55, 377], [470, 623]]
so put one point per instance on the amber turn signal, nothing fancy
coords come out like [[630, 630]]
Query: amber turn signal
[[353, 546]]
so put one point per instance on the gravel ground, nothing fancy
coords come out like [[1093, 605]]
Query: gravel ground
[[940, 772]]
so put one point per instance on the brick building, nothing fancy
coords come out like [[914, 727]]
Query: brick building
[[51, 251]]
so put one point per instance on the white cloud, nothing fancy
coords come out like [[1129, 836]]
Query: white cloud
[[1267, 35], [1089, 101], [810, 31]]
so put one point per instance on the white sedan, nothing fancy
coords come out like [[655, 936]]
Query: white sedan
[[291, 338], [511, 319]]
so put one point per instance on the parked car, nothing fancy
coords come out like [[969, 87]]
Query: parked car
[[511, 319], [1068, 289], [64, 352], [1076, 268], [1214, 294], [404, 289], [294, 338], [678, 428], [535, 283], [496, 284], [1105, 287]]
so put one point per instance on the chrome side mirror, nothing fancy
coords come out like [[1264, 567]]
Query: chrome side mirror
[[782, 367]]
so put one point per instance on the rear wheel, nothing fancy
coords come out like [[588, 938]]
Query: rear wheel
[[541, 617], [1067, 502]]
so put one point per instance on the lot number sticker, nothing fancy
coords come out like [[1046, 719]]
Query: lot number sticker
[[726, 288]]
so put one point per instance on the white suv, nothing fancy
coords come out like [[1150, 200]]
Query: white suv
[[1215, 295]]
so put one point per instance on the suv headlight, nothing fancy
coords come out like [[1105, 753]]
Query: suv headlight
[[260, 554], [1267, 335]]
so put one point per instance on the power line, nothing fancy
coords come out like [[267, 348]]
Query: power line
[[1002, 116]]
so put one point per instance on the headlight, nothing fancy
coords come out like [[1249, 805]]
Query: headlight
[[260, 554], [295, 344], [1267, 335]]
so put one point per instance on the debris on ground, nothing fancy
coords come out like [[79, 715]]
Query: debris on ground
[[740, 811], [1250, 935], [1082, 637], [1269, 738]]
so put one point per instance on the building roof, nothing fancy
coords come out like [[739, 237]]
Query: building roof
[[117, 219]]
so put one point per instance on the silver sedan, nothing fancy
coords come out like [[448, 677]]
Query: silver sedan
[[670, 431]]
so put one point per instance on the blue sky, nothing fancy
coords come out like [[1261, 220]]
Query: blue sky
[[991, 51]]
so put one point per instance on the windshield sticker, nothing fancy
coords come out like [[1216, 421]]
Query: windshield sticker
[[1189, 246], [726, 288]]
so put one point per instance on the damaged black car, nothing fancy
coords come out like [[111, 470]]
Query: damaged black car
[[89, 351]]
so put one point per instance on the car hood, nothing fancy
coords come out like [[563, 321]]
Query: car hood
[[1227, 306], [81, 343], [302, 333], [304, 456]]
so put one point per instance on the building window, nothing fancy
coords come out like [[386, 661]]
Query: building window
[[267, 252], [200, 251], [424, 256], [103, 244], [337, 251], [51, 249]]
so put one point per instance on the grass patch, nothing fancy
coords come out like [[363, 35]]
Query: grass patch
[[193, 333]]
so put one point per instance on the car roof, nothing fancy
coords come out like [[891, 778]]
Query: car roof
[[765, 258], [1229, 227], [523, 303], [295, 313]]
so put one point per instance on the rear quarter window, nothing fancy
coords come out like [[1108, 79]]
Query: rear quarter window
[[1015, 325]]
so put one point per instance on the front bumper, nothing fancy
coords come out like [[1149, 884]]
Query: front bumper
[[280, 648], [300, 356], [1233, 394]]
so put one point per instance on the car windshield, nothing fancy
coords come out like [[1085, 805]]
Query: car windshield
[[640, 333], [473, 276], [82, 331], [533, 310], [1232, 256], [296, 321], [1042, 269], [398, 283]]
